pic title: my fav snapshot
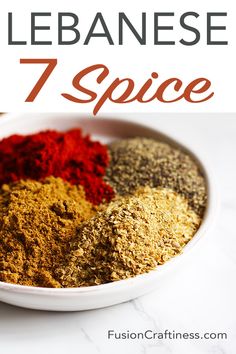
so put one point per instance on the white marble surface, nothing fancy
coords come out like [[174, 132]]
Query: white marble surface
[[200, 298]]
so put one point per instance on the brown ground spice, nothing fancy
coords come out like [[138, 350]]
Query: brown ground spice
[[37, 222], [142, 161], [131, 236]]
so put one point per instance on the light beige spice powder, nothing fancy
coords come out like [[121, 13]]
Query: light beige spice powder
[[133, 235]]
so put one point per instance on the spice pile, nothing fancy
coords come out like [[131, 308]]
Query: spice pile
[[74, 212], [69, 155], [37, 222], [141, 161], [131, 236]]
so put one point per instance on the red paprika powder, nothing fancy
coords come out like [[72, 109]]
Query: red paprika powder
[[68, 155]]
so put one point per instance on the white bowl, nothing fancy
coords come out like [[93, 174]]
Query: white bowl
[[84, 298]]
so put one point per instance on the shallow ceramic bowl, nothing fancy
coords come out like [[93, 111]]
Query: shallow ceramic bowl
[[84, 298]]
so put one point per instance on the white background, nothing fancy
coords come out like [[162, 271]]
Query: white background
[[199, 298], [217, 63]]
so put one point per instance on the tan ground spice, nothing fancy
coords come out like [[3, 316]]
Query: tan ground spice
[[37, 221], [131, 236], [142, 161]]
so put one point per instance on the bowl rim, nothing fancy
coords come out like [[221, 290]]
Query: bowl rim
[[208, 218]]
